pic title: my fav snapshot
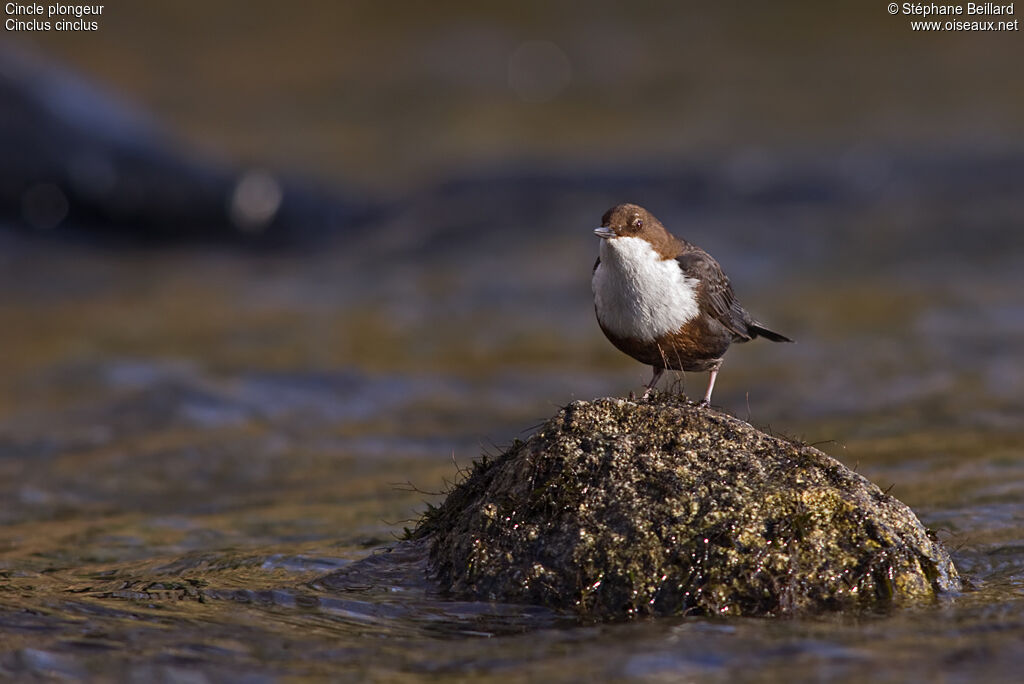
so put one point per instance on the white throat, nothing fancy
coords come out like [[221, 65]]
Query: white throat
[[640, 295]]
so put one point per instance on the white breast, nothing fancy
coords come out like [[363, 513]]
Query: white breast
[[638, 294]]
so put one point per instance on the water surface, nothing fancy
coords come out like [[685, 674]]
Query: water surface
[[191, 439]]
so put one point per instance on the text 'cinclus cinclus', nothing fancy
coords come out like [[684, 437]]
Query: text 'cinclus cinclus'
[[664, 301]]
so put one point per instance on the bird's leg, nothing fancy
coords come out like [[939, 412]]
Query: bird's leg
[[654, 381], [711, 383]]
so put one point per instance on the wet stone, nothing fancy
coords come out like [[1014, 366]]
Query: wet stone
[[616, 509]]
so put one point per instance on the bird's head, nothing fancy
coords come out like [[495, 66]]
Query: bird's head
[[630, 220]]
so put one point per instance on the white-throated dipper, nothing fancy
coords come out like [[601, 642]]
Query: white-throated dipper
[[664, 301]]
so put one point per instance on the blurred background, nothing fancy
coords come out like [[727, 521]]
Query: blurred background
[[267, 269]]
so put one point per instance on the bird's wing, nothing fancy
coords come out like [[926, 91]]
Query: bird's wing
[[596, 264], [717, 292]]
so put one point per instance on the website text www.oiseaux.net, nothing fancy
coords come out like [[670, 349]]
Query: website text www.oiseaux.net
[[970, 16]]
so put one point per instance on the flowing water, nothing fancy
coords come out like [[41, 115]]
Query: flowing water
[[198, 444], [191, 440]]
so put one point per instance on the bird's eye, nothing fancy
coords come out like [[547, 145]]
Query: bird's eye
[[638, 223]]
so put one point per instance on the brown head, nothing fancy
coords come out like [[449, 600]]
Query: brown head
[[631, 220]]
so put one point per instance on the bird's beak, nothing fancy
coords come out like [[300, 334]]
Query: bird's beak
[[604, 233]]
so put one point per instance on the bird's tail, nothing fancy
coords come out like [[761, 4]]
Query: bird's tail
[[759, 330]]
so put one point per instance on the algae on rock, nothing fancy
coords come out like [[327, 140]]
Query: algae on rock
[[617, 508]]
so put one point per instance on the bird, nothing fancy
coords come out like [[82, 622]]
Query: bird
[[665, 301]]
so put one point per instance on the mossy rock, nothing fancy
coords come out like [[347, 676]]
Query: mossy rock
[[617, 508]]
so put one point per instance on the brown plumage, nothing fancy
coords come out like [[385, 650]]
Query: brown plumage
[[664, 301]]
